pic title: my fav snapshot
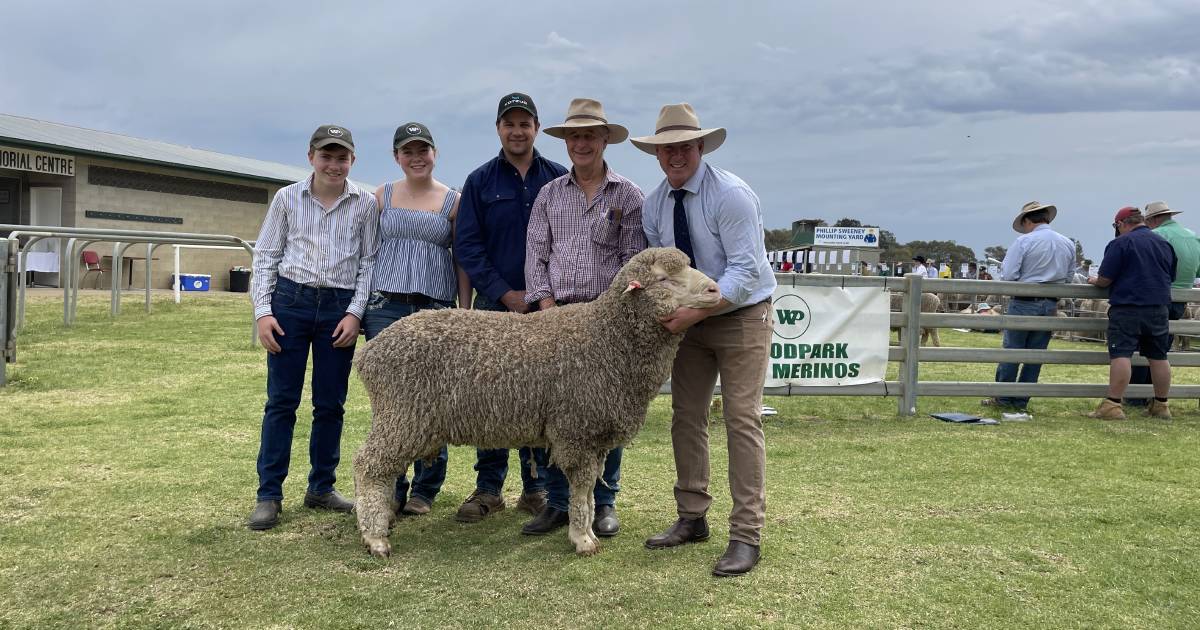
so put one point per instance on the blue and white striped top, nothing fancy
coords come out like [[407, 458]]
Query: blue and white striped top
[[414, 250], [309, 244]]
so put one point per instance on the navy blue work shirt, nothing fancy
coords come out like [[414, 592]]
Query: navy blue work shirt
[[489, 232], [1141, 265]]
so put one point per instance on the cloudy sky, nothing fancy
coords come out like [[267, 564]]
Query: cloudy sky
[[936, 119]]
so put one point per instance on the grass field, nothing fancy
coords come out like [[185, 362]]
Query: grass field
[[128, 447]]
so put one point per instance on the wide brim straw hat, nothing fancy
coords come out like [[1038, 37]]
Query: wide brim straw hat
[[1034, 206], [586, 112], [679, 123], [1159, 208]]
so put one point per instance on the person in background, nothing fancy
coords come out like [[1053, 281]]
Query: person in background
[[920, 267], [1138, 269], [414, 270], [1160, 218], [1038, 256]]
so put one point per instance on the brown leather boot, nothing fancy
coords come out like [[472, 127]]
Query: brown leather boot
[[1108, 410], [1159, 409]]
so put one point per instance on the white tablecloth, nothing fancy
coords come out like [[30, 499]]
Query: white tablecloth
[[41, 261]]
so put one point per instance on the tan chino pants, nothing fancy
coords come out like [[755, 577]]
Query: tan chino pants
[[734, 346]]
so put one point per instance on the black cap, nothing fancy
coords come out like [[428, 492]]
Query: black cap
[[411, 132], [516, 100], [920, 259], [326, 135]]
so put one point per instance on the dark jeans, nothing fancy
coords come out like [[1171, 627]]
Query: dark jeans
[[427, 480], [491, 465], [307, 316], [1140, 374], [605, 491], [1028, 340]]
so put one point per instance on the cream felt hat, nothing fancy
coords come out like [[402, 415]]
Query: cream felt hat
[[585, 112], [1034, 206], [1159, 208], [679, 123]]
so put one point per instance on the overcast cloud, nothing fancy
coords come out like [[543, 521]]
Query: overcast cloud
[[934, 119]]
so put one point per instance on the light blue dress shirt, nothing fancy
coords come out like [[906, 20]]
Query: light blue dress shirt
[[725, 223], [1042, 255]]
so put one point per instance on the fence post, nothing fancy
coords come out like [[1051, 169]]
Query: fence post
[[8, 285], [911, 342]]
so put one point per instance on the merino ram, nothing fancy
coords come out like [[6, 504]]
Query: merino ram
[[576, 379]]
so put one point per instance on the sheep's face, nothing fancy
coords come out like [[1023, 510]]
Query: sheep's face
[[668, 278]]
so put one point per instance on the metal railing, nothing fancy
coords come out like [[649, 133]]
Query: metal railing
[[76, 240], [909, 354]]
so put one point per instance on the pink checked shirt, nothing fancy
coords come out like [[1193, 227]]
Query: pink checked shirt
[[574, 247]]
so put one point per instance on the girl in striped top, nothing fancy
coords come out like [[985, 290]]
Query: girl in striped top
[[415, 270]]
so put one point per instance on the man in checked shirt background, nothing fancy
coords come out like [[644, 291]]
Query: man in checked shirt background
[[583, 227], [312, 275]]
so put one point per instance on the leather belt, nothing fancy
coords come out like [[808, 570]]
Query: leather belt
[[415, 299], [748, 306]]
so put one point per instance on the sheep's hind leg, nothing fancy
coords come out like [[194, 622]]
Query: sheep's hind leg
[[374, 486], [580, 510]]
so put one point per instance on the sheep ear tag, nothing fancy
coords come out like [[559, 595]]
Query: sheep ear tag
[[633, 284]]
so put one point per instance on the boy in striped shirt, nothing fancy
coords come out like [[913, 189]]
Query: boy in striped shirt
[[312, 275]]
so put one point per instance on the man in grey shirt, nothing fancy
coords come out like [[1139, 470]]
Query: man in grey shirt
[[714, 217]]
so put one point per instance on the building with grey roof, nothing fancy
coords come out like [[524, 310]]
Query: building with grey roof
[[56, 174]]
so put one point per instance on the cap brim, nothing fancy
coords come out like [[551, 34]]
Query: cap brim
[[527, 110], [321, 144], [412, 140], [616, 133], [713, 139]]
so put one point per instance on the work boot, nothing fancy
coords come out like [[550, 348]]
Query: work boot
[[265, 515], [682, 531], [415, 506], [331, 500], [606, 524], [1159, 409], [549, 520], [739, 559], [532, 502], [478, 506], [1108, 410]]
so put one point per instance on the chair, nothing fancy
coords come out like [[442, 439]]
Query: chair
[[91, 262]]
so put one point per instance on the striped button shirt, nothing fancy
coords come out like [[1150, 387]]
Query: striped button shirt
[[414, 250], [575, 246], [303, 242]]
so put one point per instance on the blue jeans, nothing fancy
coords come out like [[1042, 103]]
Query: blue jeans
[[491, 465], [427, 480], [1028, 340], [605, 491], [307, 317]]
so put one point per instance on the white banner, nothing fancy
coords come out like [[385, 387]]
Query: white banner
[[846, 236], [828, 336], [37, 161]]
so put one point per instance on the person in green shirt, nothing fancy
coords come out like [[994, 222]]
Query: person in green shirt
[[1160, 218]]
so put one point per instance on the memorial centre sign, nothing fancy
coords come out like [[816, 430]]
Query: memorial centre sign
[[37, 161]]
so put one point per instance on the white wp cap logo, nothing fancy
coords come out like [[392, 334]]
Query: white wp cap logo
[[413, 129], [335, 132]]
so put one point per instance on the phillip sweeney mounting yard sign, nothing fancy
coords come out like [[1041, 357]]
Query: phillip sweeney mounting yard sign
[[846, 237], [828, 336]]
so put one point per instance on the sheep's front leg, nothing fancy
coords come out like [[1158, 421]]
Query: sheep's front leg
[[580, 510], [374, 486]]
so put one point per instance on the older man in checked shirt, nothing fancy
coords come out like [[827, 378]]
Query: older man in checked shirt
[[312, 275], [583, 227]]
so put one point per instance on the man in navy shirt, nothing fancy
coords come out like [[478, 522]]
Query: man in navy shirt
[[1138, 268], [489, 243]]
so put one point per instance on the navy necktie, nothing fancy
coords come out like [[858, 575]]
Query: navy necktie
[[683, 238]]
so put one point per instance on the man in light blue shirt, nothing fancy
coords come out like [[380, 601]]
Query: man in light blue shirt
[[714, 217], [1042, 256]]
